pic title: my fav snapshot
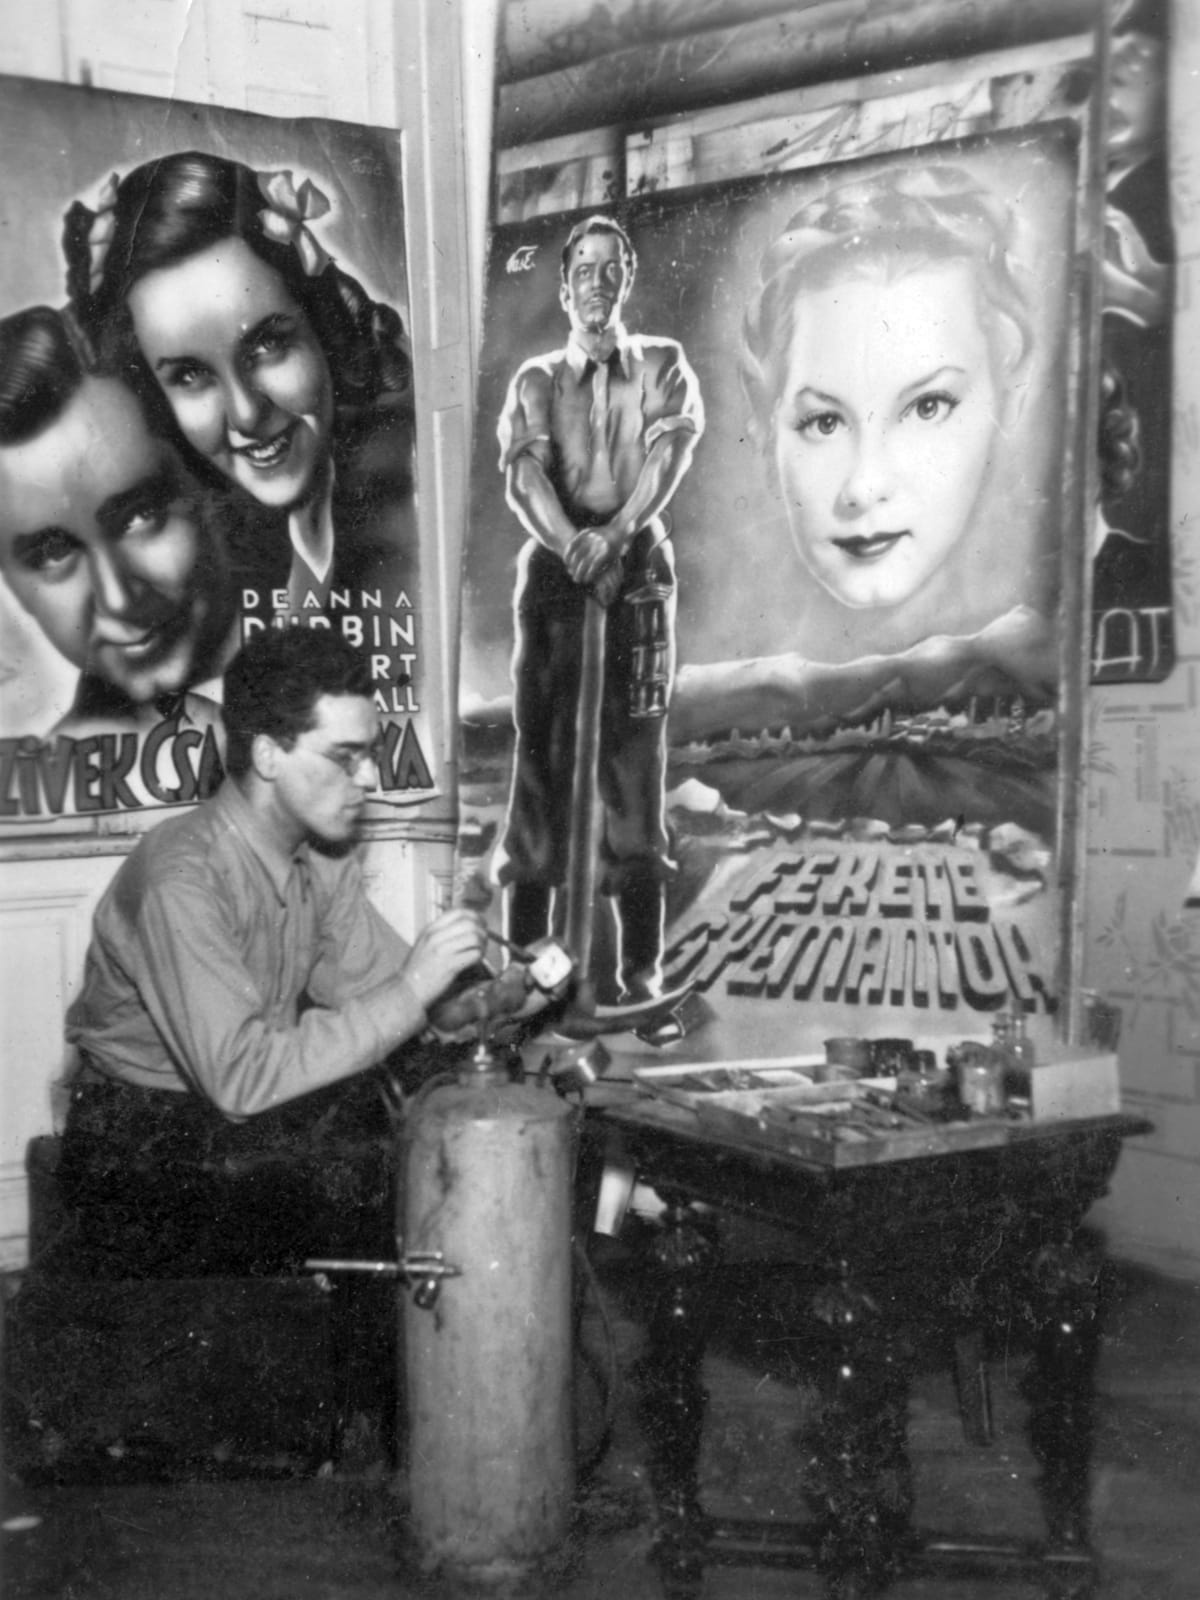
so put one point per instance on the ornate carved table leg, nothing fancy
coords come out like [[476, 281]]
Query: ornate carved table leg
[[1065, 1301], [673, 1396], [861, 1486]]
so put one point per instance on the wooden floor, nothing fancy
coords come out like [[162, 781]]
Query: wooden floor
[[339, 1537]]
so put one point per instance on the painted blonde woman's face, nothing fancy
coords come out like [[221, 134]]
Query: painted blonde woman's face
[[241, 368], [885, 429]]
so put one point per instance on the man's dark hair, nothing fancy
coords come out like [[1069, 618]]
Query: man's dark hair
[[43, 361], [273, 684], [599, 224]]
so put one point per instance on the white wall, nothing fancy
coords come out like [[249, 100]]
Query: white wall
[[1142, 939]]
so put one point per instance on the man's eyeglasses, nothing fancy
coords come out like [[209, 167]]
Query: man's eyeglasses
[[351, 762]]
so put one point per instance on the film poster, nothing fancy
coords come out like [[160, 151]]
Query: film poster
[[866, 534], [1133, 623], [206, 429]]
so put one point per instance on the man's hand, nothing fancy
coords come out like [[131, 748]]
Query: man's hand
[[587, 555], [466, 1015], [445, 947], [593, 560], [607, 586]]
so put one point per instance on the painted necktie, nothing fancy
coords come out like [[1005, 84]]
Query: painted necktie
[[598, 419]]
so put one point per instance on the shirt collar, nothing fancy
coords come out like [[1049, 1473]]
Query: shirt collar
[[241, 816], [578, 358]]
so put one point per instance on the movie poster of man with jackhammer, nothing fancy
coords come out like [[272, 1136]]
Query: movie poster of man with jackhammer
[[797, 442], [206, 428]]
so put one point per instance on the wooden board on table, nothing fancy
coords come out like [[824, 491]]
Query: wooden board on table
[[815, 1139]]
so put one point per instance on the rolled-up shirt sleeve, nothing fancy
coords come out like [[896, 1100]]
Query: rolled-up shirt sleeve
[[524, 424], [672, 398]]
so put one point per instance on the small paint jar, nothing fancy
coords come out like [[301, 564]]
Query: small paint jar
[[980, 1078], [845, 1059], [891, 1058], [924, 1078], [931, 1087]]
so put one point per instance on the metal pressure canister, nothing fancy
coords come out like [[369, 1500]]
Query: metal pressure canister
[[488, 1354]]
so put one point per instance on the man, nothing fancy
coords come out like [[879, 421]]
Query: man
[[594, 441], [105, 539], [238, 989]]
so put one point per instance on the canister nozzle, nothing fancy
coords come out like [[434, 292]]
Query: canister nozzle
[[550, 964]]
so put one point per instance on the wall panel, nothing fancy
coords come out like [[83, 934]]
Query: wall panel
[[1143, 938], [45, 917]]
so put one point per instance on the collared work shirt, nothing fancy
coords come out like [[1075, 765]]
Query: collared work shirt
[[647, 388], [220, 964]]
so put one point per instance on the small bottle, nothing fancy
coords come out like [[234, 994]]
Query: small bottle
[[1022, 1057], [1002, 1030]]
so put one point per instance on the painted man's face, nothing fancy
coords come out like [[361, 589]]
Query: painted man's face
[[101, 541], [597, 283], [885, 428], [239, 363]]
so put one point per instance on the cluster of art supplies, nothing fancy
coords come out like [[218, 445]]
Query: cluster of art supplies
[[861, 1089]]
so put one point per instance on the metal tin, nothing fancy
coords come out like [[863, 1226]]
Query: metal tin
[[854, 1054], [891, 1057]]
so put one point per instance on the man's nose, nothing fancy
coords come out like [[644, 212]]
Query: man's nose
[[116, 586]]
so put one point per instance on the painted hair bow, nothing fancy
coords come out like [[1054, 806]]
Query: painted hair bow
[[100, 234], [287, 211]]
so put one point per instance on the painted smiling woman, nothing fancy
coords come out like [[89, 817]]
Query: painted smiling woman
[[204, 280]]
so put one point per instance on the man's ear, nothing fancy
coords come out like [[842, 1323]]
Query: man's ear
[[564, 296], [264, 756]]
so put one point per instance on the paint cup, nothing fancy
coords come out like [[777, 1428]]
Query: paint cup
[[845, 1059], [890, 1058], [931, 1086], [979, 1073]]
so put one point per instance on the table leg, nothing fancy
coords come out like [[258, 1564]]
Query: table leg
[[861, 1487], [673, 1397], [1065, 1302]]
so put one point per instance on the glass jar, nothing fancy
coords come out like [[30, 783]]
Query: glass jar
[[979, 1072], [928, 1086]]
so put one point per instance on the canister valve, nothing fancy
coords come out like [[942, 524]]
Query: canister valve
[[421, 1270]]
